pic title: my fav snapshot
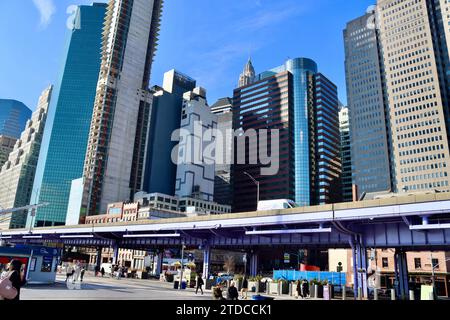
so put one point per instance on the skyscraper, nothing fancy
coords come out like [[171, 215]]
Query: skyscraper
[[196, 170], [398, 87], [302, 103], [17, 174], [248, 75], [367, 106], [13, 117], [115, 157], [414, 36], [223, 192], [66, 133], [160, 170]]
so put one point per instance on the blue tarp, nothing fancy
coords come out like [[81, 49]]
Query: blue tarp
[[336, 278]]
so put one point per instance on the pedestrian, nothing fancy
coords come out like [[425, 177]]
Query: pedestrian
[[244, 289], [305, 289], [16, 276], [118, 273], [233, 293], [96, 270], [217, 293], [69, 271], [102, 272], [200, 284], [83, 270], [299, 289]]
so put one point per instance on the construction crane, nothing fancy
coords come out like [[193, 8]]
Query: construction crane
[[31, 206]]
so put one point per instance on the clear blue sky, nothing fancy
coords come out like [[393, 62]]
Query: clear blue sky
[[209, 40]]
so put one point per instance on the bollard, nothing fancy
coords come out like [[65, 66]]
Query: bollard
[[359, 293], [316, 291], [392, 294], [411, 295], [375, 294], [291, 289], [344, 293]]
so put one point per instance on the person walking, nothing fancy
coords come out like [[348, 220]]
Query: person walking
[[102, 272], [233, 293], [16, 277], [200, 284], [69, 272], [299, 289], [305, 289], [83, 270], [244, 289]]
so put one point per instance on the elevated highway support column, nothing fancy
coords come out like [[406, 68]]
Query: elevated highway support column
[[206, 261], [254, 264], [115, 259], [98, 261], [359, 269], [401, 274], [159, 263]]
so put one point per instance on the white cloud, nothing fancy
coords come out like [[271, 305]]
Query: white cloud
[[46, 9]]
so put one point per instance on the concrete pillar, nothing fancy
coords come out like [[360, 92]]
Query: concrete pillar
[[344, 293], [359, 270], [115, 254], [254, 264], [206, 262], [159, 264], [401, 275], [98, 258]]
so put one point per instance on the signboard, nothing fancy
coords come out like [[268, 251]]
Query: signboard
[[33, 264], [426, 292], [47, 264], [287, 258]]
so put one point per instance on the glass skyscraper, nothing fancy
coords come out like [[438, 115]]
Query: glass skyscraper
[[303, 104], [66, 133], [13, 117]]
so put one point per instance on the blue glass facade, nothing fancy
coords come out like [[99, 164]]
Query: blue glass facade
[[65, 138], [13, 117], [302, 70]]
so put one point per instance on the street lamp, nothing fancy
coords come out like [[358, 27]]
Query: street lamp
[[432, 271], [182, 264], [257, 186]]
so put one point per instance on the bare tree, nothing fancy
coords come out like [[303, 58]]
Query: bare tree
[[229, 264]]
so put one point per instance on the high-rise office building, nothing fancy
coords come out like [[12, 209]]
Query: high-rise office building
[[248, 75], [346, 157], [66, 133], [302, 103], [397, 64], [115, 157], [160, 170], [13, 117], [367, 106], [17, 174], [195, 166], [222, 186], [415, 57]]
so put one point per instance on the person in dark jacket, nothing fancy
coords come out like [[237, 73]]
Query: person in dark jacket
[[233, 293], [299, 289], [102, 272], [200, 283], [217, 293], [305, 288], [16, 277], [244, 289]]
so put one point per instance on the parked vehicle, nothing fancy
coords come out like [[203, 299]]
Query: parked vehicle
[[108, 268], [276, 204]]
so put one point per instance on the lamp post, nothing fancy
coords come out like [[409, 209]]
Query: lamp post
[[257, 186], [182, 264]]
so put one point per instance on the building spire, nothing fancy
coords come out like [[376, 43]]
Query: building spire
[[248, 75]]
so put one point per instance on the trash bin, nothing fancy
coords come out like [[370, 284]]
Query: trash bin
[[176, 284], [183, 285]]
